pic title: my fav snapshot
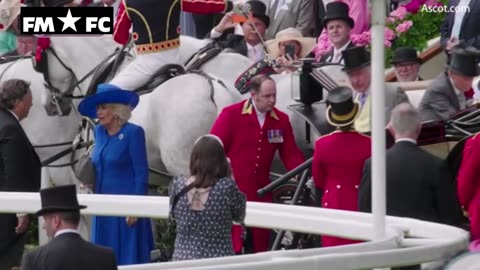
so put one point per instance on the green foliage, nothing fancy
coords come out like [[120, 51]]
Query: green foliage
[[165, 241], [32, 233], [426, 26]]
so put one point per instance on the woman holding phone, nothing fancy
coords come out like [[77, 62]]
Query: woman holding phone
[[288, 47]]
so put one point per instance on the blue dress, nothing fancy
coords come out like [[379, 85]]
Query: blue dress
[[121, 168]]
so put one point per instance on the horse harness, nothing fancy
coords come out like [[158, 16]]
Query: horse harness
[[105, 69], [261, 67]]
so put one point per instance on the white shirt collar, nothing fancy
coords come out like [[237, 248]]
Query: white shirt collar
[[16, 117], [341, 48], [366, 92], [261, 116], [406, 140], [63, 231], [257, 47], [259, 113]]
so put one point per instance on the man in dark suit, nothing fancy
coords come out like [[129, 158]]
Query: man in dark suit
[[406, 64], [61, 212], [19, 167], [299, 14], [445, 96], [418, 184], [248, 44], [338, 25], [461, 26]]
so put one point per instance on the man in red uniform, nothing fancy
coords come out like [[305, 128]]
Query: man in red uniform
[[156, 33], [338, 157], [252, 131]]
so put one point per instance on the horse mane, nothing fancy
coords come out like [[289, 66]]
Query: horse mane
[[190, 45]]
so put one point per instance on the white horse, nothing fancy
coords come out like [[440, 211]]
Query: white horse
[[162, 113], [227, 66]]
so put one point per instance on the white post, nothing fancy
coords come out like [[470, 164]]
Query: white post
[[378, 118]]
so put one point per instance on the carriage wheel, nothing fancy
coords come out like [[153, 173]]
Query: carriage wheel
[[284, 195]]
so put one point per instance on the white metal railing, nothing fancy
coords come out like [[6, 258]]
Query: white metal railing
[[407, 241]]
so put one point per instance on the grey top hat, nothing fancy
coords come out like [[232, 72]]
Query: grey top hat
[[465, 62]]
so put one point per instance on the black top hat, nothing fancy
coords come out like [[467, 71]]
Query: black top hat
[[464, 62], [56, 3], [337, 11], [355, 57], [342, 110], [259, 10], [405, 55], [59, 199]]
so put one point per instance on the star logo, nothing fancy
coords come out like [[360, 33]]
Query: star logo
[[69, 21]]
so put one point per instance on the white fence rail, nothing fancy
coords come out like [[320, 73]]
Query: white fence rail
[[408, 241]]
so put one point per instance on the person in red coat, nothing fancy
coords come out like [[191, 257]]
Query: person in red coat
[[252, 131], [156, 33], [468, 184], [338, 158]]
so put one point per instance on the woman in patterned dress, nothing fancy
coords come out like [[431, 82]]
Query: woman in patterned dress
[[204, 215]]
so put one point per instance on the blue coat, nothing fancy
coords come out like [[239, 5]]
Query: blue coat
[[121, 168]]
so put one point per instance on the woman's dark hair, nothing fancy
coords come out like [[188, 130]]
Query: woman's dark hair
[[208, 162]]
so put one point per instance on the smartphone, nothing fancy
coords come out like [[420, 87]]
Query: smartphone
[[239, 14], [290, 51]]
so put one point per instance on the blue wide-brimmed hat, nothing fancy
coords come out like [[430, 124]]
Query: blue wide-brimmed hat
[[107, 93]]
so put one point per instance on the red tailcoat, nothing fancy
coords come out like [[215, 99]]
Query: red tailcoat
[[337, 170], [251, 154], [156, 23], [468, 183]]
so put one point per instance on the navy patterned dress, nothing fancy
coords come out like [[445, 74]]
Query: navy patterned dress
[[207, 233]]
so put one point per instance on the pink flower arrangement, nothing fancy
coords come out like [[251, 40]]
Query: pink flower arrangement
[[399, 13], [323, 46], [404, 26]]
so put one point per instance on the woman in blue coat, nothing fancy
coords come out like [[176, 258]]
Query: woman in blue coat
[[120, 160]]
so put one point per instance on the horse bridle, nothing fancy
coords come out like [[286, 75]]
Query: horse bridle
[[57, 95]]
